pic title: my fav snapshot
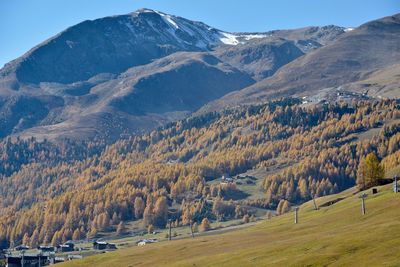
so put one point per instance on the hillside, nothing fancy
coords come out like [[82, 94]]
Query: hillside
[[124, 75], [140, 128], [127, 74], [337, 235], [279, 150], [355, 56]]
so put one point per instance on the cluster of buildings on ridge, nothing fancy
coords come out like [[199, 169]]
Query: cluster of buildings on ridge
[[22, 256]]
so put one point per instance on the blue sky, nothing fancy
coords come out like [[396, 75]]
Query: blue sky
[[26, 23]]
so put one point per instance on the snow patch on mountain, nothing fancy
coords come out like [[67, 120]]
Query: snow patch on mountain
[[168, 19], [228, 38], [248, 37], [197, 33]]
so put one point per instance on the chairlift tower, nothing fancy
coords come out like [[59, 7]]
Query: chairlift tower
[[363, 196], [169, 236], [23, 258], [296, 215]]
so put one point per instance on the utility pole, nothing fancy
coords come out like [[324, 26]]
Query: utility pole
[[296, 215], [191, 228], [315, 203], [23, 259], [363, 196], [40, 256], [169, 222]]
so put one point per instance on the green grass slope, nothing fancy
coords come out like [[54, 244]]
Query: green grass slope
[[337, 235]]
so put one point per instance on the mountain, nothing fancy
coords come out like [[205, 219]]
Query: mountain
[[120, 78], [126, 74], [142, 98], [76, 83], [112, 45], [358, 55], [262, 57]]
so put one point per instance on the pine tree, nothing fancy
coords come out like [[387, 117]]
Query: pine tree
[[57, 239], [34, 242], [26, 239], [148, 215], [283, 207], [238, 212], [160, 212], [374, 170], [76, 235], [120, 228], [361, 175], [303, 189], [195, 227], [150, 229], [139, 207], [92, 233], [205, 225], [104, 221]]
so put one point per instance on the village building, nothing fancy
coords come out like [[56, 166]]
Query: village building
[[21, 247], [146, 241], [66, 247], [27, 260], [227, 179], [46, 248], [74, 257], [101, 245]]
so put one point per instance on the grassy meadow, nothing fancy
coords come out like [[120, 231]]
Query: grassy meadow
[[336, 235]]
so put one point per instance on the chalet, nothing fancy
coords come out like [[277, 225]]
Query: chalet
[[56, 260], [111, 246], [385, 181], [66, 247], [70, 243], [27, 260], [227, 179], [146, 241], [46, 248], [99, 245], [74, 257], [21, 247]]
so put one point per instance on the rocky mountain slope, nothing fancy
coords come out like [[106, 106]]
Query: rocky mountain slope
[[130, 73], [367, 56]]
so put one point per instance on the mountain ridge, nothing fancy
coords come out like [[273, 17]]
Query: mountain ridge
[[353, 57], [62, 76]]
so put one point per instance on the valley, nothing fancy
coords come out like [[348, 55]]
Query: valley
[[120, 133]]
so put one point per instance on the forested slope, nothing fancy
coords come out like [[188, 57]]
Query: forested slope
[[144, 176]]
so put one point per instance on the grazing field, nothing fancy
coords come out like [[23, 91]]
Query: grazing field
[[335, 235]]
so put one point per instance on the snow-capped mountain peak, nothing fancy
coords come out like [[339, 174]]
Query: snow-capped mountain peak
[[194, 33]]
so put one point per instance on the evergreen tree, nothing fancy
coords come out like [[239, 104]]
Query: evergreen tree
[[148, 214], [77, 234], [139, 207], [26, 240], [161, 212], [362, 175], [120, 228], [205, 225], [374, 170]]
